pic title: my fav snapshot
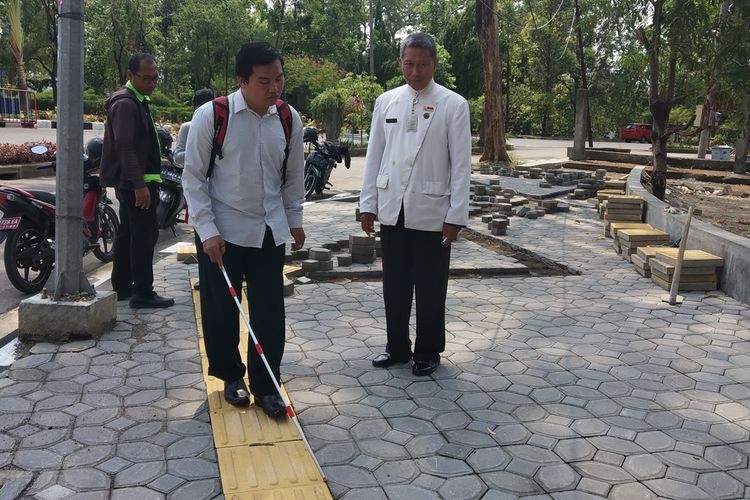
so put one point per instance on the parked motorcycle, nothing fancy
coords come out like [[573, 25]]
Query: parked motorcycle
[[321, 162], [171, 199], [28, 225]]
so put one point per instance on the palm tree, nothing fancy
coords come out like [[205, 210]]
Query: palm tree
[[15, 39]]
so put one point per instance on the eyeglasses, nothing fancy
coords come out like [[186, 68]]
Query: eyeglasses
[[149, 79]]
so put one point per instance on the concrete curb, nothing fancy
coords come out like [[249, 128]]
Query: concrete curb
[[86, 125], [734, 249]]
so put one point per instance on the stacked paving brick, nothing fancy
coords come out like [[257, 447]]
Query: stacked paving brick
[[629, 240], [641, 259], [323, 256], [623, 208], [699, 269], [362, 249]]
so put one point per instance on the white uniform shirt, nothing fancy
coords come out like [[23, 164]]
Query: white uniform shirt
[[178, 155], [244, 192]]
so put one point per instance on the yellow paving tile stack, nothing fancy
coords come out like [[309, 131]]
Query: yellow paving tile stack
[[699, 269], [259, 457], [623, 208], [641, 259], [631, 238]]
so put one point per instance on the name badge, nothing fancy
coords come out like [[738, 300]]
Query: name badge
[[391, 120]]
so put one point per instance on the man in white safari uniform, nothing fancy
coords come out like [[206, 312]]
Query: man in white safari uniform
[[416, 182]]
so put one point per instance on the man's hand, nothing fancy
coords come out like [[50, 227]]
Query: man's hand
[[368, 222], [142, 198], [215, 247], [450, 234], [299, 237]]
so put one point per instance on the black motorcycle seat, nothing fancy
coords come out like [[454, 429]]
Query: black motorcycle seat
[[43, 196]]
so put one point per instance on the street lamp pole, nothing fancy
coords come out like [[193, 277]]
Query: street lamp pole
[[69, 276]]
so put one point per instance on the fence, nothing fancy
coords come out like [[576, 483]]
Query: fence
[[18, 106]]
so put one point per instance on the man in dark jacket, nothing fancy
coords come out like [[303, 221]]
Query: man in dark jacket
[[131, 164]]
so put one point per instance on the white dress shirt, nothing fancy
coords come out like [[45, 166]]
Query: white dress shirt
[[244, 192], [178, 155]]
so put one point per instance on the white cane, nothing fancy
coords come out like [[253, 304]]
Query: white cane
[[259, 350]]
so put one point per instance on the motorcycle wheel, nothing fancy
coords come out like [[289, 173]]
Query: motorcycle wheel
[[23, 244], [311, 182], [108, 226]]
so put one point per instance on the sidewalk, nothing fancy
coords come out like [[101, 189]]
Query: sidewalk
[[564, 387]]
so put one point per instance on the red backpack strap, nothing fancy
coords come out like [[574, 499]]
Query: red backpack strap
[[221, 119], [285, 115]]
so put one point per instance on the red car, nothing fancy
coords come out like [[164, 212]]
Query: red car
[[640, 132]]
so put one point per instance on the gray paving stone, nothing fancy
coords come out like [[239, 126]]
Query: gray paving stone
[[37, 460], [725, 457], [575, 450], [508, 482], [594, 487], [139, 493], [85, 479], [644, 466], [193, 468], [720, 485], [365, 494], [423, 446], [631, 491], [140, 473], [383, 449], [676, 489], [352, 477], [511, 434], [396, 472], [166, 483], [603, 472], [443, 466], [197, 490], [465, 487]]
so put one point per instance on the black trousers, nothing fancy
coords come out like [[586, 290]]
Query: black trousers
[[414, 261], [132, 266], [262, 269]]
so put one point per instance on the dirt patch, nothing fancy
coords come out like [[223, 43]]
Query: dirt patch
[[723, 205]]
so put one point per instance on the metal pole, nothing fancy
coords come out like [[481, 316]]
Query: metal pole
[[69, 277], [673, 298]]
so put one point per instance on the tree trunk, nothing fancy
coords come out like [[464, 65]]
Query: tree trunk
[[741, 148], [494, 139], [281, 24], [660, 112], [334, 118]]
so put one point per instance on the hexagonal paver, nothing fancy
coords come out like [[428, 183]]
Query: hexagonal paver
[[575, 450], [460, 488], [511, 434], [676, 489], [644, 466], [397, 472], [655, 441], [720, 485], [443, 466], [557, 477]]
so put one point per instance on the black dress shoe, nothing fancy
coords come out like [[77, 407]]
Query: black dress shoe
[[236, 393], [272, 405], [422, 367], [154, 301], [124, 295], [385, 360]]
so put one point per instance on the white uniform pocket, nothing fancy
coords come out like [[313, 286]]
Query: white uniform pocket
[[382, 181], [436, 188]]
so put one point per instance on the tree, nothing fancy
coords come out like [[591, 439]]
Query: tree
[[15, 41], [494, 134]]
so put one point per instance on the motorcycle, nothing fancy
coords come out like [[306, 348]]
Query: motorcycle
[[28, 225], [171, 199], [321, 162]]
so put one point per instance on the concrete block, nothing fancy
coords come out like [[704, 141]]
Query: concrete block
[[303, 280], [326, 265], [333, 247], [58, 321], [532, 214], [343, 244], [321, 254], [288, 288], [361, 241], [300, 254], [310, 265], [344, 259]]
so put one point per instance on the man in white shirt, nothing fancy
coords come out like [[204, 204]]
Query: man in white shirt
[[200, 97], [416, 182], [243, 215]]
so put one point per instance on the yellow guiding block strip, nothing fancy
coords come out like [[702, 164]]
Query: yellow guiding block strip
[[259, 457]]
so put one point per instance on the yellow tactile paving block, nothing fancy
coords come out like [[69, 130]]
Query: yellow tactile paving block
[[276, 466], [259, 457]]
